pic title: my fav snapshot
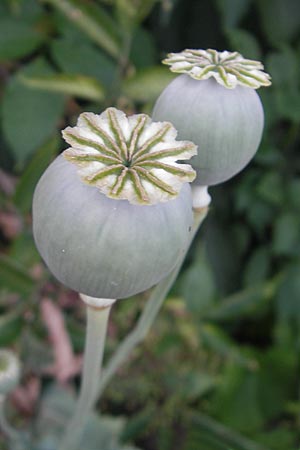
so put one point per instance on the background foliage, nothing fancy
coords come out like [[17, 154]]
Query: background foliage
[[220, 369]]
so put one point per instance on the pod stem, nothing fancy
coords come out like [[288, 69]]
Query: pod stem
[[150, 311], [97, 319]]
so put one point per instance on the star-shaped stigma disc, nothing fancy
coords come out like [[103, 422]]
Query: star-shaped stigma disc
[[228, 68], [130, 157]]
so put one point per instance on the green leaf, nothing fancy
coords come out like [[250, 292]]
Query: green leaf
[[214, 338], [29, 117], [132, 12], [143, 52], [69, 58], [232, 11], [17, 39], [32, 173], [258, 266], [288, 305], [287, 102], [284, 67], [245, 43], [15, 278], [286, 235], [245, 302], [280, 20], [226, 437], [10, 327], [79, 86], [270, 188], [146, 85], [237, 401], [93, 21], [197, 285]]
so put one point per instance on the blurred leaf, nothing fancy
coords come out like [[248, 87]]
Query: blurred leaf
[[245, 43], [270, 188], [284, 67], [288, 103], [29, 116], [137, 424], [197, 285], [23, 250], [10, 327], [294, 193], [14, 277], [278, 438], [286, 235], [142, 52], [17, 39], [193, 384], [288, 305], [274, 396], [239, 391], [229, 437], [258, 265], [94, 21], [280, 19], [254, 393], [214, 338], [223, 255], [29, 10], [260, 214], [147, 84], [131, 12], [245, 302], [32, 173], [232, 11], [57, 407], [80, 86], [69, 58], [285, 70]]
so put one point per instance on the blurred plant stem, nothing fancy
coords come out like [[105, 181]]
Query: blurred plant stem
[[12, 435], [233, 439], [97, 319], [149, 313]]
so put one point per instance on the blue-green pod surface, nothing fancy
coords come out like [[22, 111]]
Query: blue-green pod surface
[[104, 247], [226, 124]]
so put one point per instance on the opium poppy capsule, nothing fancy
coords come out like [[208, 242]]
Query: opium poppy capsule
[[112, 215], [214, 104]]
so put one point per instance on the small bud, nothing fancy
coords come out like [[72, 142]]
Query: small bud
[[10, 371]]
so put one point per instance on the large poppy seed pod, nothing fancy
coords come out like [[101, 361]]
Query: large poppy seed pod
[[10, 371], [215, 105], [112, 215]]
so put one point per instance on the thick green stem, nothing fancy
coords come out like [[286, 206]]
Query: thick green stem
[[97, 319], [149, 313]]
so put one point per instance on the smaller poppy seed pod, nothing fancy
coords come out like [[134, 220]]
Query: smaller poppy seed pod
[[215, 105], [113, 214], [10, 371]]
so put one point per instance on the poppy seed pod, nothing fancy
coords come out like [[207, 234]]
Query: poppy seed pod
[[215, 105], [112, 215]]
